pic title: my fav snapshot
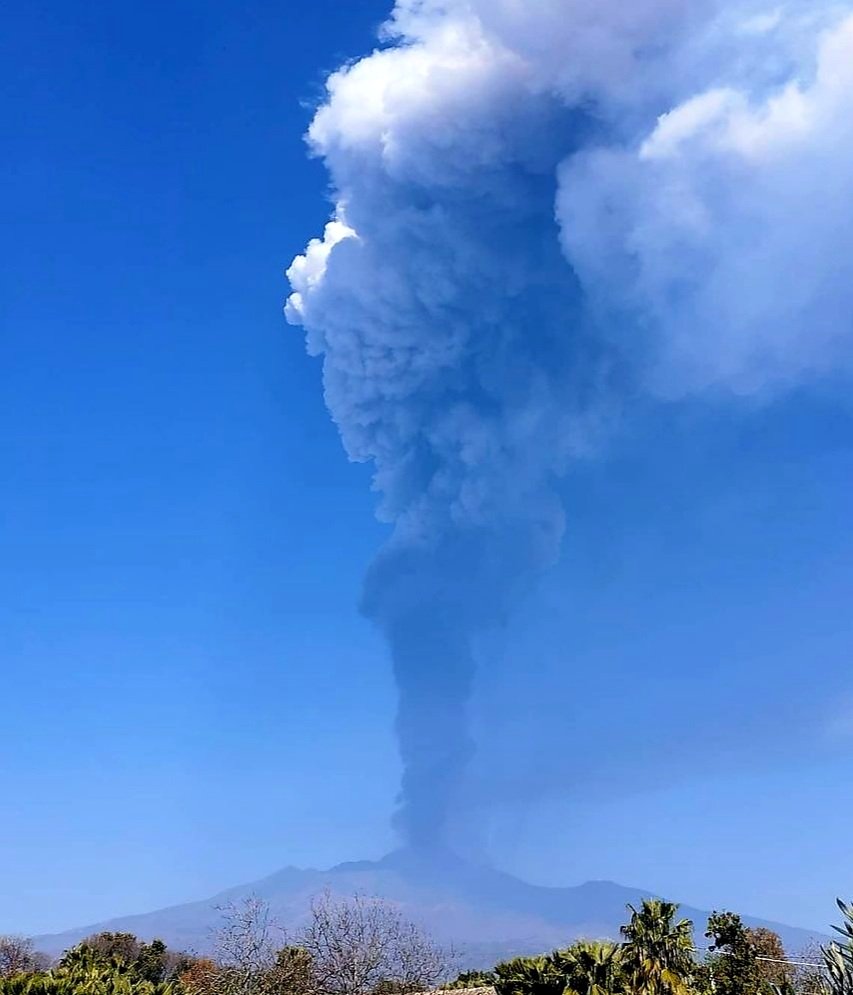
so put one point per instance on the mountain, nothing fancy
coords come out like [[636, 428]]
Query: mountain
[[487, 914]]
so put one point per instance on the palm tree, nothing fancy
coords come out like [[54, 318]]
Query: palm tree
[[838, 957], [591, 967], [658, 951], [529, 976]]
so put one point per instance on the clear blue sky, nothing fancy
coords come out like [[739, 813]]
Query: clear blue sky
[[190, 698]]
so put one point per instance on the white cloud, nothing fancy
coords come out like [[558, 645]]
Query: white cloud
[[306, 272], [726, 236]]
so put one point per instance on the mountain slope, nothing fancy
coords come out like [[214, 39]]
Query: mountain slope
[[485, 913]]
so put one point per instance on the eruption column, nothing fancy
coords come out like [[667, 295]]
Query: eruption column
[[543, 210]]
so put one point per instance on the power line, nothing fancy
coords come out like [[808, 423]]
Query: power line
[[767, 960]]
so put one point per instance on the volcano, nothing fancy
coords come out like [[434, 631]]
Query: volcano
[[487, 914]]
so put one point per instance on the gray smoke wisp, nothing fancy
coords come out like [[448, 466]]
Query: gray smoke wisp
[[540, 209]]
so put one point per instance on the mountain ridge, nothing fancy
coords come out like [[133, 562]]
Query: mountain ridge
[[486, 913]]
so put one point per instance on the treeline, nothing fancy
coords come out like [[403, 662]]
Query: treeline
[[366, 947], [356, 947], [659, 955], [103, 964]]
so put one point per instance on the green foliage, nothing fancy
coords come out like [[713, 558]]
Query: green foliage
[[838, 957], [744, 961], [592, 967], [148, 961], [152, 961], [656, 957], [731, 963], [529, 976], [658, 950], [585, 968], [86, 972]]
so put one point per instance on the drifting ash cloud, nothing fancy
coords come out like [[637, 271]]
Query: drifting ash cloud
[[542, 209]]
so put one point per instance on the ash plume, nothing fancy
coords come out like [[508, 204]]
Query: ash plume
[[540, 210]]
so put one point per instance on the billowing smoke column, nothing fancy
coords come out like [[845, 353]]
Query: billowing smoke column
[[542, 208]]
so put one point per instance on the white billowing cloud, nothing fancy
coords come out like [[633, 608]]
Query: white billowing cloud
[[582, 49], [306, 272], [688, 228], [623, 58], [397, 96], [724, 238], [443, 155], [547, 193]]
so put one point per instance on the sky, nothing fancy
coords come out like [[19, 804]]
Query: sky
[[192, 697]]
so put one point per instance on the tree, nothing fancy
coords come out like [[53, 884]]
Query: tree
[[247, 944], [19, 956], [123, 948], [592, 967], [250, 958], [356, 947], [731, 959], [588, 967], [201, 977], [773, 970], [292, 973], [85, 972], [529, 976], [152, 961], [658, 950], [744, 961], [361, 946], [807, 970]]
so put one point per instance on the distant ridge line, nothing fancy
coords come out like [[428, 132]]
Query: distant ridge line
[[488, 914]]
